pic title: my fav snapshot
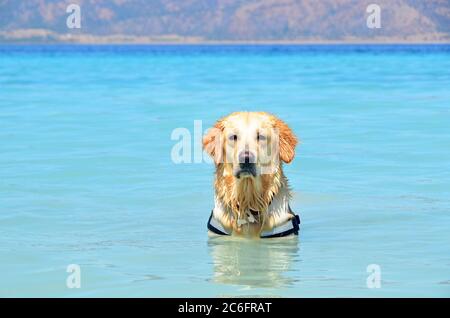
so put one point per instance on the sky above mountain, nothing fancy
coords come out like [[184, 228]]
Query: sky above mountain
[[225, 20]]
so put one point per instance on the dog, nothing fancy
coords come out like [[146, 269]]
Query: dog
[[251, 191]]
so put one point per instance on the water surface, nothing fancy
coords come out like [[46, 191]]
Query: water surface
[[86, 175]]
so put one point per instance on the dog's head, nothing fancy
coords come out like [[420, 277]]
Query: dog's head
[[250, 144]]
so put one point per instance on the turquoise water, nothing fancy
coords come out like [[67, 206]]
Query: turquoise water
[[86, 175]]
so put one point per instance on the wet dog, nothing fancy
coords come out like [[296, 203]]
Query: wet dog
[[251, 190]]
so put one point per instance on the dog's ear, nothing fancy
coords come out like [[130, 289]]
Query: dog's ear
[[287, 140], [212, 142]]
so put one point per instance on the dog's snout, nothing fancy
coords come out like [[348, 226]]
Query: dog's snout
[[246, 157]]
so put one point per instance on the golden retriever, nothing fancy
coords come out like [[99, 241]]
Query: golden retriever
[[251, 190]]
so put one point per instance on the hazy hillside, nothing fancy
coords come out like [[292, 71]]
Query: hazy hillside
[[224, 20]]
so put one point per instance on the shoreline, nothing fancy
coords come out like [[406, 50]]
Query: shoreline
[[44, 36], [227, 43]]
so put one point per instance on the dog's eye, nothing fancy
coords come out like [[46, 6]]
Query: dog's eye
[[233, 137], [260, 137]]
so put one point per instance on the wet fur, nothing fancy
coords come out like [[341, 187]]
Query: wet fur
[[237, 196]]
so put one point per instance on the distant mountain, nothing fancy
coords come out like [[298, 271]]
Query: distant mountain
[[224, 20]]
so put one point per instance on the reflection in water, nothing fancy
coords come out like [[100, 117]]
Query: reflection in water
[[254, 263]]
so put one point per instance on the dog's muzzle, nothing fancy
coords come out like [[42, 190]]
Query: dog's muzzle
[[247, 164]]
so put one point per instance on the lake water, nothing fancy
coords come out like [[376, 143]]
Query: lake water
[[87, 178]]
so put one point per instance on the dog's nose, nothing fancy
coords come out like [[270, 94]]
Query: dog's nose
[[246, 157]]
